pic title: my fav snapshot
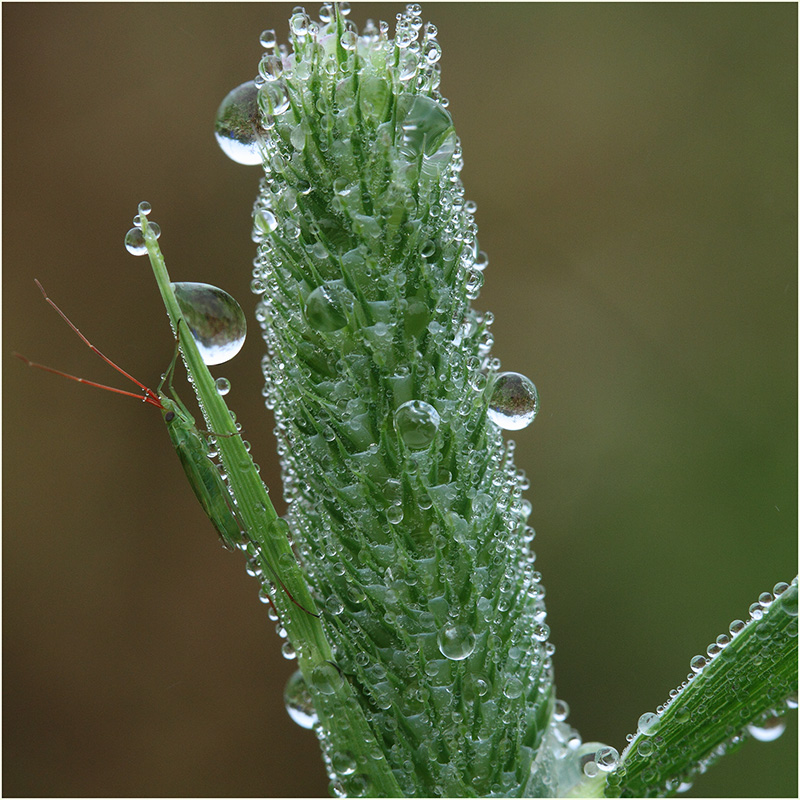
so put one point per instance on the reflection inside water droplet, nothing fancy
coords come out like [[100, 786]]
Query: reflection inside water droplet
[[215, 319], [299, 704], [238, 125], [416, 422], [514, 402]]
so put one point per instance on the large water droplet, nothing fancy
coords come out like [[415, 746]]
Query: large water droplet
[[326, 678], [328, 305], [134, 242], [298, 701], [416, 423], [767, 731], [456, 642], [514, 403], [238, 125], [425, 127], [215, 319]]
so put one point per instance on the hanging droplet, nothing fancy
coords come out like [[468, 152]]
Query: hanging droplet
[[767, 731], [416, 423], [514, 403], [327, 307], [238, 125], [223, 386], [134, 242], [215, 320], [298, 702], [456, 642]]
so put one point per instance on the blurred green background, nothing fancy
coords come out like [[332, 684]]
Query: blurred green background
[[635, 172]]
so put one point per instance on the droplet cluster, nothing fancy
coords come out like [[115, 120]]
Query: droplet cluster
[[737, 702], [405, 505]]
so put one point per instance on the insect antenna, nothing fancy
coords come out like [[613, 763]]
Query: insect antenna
[[149, 395]]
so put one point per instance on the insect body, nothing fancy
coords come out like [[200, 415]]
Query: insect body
[[190, 443]]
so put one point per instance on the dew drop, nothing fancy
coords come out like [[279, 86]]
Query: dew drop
[[697, 663], [456, 642], [327, 307], [326, 678], [789, 600], [425, 127], [298, 702], [514, 401], [513, 688], [416, 423], [215, 319], [560, 711], [607, 758], [343, 763], [649, 723], [767, 731], [238, 125], [134, 242]]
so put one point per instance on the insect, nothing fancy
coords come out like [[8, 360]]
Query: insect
[[191, 444]]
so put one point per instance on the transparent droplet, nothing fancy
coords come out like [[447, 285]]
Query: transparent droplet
[[222, 385], [514, 401], [513, 688], [607, 758], [789, 600], [649, 723], [560, 711], [145, 208], [394, 514], [298, 701], [697, 663], [238, 125], [416, 422], [767, 731], [288, 651], [343, 763], [326, 679], [425, 127], [328, 305], [456, 642], [134, 242], [215, 319], [267, 39]]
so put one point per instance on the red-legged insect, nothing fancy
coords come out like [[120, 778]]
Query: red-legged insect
[[190, 444]]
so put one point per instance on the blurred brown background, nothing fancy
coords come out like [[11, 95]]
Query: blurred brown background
[[634, 168]]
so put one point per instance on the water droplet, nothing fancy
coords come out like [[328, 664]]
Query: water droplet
[[326, 678], [457, 642], [514, 402], [222, 385], [215, 320], [607, 758], [343, 763], [145, 208], [394, 514], [649, 723], [426, 128], [134, 242], [267, 39], [697, 663], [327, 307], [416, 423], [288, 651], [238, 125], [789, 600], [298, 702], [767, 731], [513, 688], [560, 711]]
